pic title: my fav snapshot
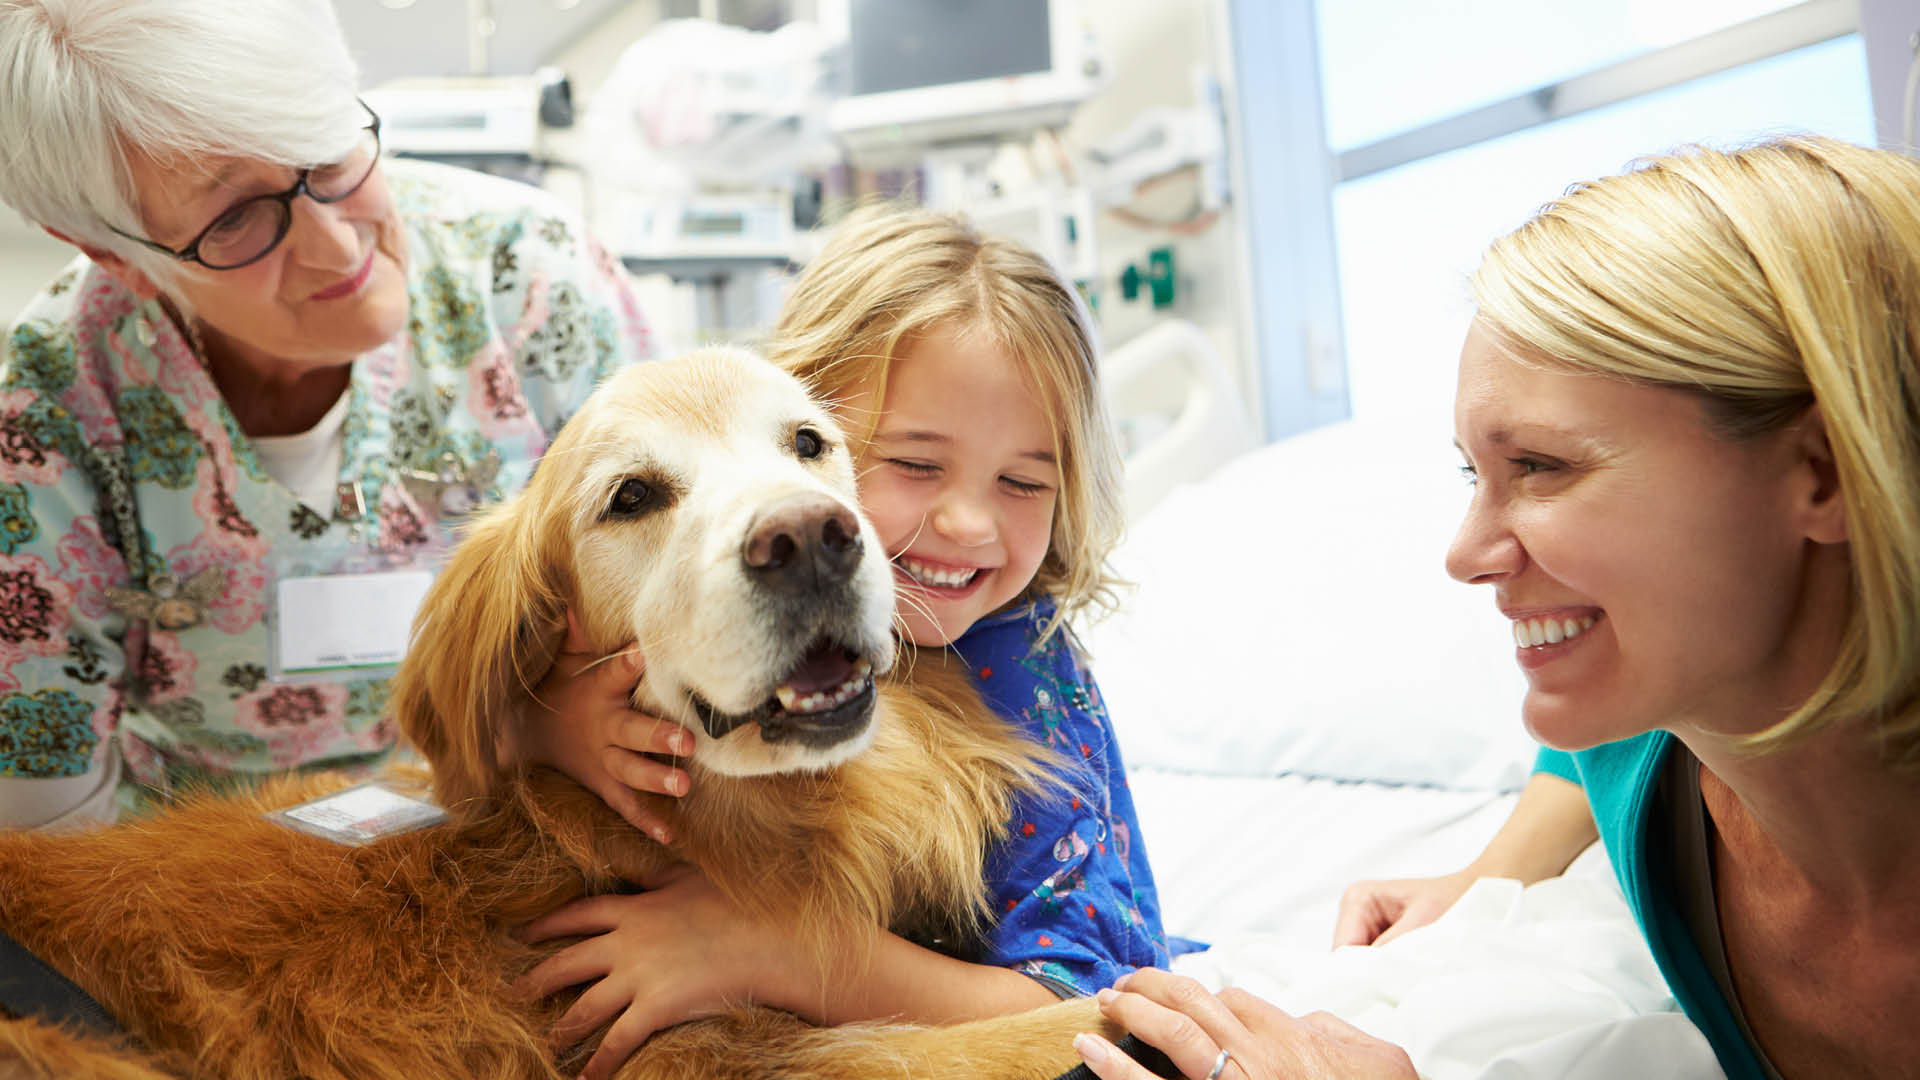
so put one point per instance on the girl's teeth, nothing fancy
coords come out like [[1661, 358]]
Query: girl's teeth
[[928, 575], [1532, 633]]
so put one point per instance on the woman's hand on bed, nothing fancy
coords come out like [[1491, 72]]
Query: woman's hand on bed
[[1550, 825], [1376, 912], [589, 730], [1192, 1026]]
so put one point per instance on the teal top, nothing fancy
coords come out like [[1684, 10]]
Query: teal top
[[1621, 781]]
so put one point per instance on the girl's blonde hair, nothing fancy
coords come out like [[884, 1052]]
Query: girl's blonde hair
[[889, 274], [1764, 280]]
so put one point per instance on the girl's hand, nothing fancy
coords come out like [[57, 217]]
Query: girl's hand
[[674, 953], [1192, 1027], [1376, 912], [583, 723]]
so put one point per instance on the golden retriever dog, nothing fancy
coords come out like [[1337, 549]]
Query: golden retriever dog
[[704, 508]]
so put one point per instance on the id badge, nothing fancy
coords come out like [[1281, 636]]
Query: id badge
[[344, 621], [360, 814]]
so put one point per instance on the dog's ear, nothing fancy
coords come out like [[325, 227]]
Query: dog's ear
[[485, 636]]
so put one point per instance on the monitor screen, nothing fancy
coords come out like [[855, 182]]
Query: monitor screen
[[927, 73], [908, 44]]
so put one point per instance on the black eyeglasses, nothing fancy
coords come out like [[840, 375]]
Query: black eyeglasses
[[248, 231]]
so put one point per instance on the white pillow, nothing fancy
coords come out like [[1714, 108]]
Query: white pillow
[[1293, 614]]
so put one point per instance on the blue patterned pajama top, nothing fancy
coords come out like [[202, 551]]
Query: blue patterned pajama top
[[1071, 884]]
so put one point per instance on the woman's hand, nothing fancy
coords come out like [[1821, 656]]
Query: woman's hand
[[1192, 1027], [583, 723], [1550, 825], [1376, 912], [674, 953]]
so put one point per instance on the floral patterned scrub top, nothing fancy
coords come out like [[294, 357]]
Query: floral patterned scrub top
[[1071, 885], [139, 530]]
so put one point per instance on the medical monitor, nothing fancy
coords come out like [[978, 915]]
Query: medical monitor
[[923, 73]]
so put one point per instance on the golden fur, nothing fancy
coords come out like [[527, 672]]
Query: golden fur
[[232, 947]]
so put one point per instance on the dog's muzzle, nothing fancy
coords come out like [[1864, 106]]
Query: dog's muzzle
[[802, 557], [826, 699]]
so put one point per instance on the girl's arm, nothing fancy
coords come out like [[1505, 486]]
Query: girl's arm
[[681, 951], [914, 983]]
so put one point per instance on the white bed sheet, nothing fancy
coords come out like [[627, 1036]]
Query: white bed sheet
[[1236, 855], [1552, 981]]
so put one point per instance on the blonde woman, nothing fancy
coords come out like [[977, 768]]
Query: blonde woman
[[963, 370], [1691, 407]]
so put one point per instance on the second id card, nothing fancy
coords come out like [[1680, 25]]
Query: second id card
[[345, 625]]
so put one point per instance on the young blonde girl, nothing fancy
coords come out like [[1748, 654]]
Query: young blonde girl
[[890, 279], [963, 371]]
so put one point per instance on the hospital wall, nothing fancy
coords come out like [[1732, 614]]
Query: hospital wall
[[28, 260], [1153, 46]]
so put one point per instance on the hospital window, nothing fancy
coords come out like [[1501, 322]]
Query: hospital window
[[1392, 65], [1408, 235]]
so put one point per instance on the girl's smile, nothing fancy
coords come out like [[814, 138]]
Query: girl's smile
[[941, 578]]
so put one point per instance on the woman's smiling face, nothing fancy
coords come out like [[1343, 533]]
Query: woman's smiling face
[[960, 478], [1655, 571], [333, 288]]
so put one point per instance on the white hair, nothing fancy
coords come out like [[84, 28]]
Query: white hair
[[83, 83]]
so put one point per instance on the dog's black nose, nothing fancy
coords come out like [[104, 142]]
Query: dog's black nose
[[803, 542]]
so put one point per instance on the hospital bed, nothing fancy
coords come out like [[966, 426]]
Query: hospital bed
[[1305, 700]]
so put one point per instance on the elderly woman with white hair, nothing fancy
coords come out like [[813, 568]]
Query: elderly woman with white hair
[[250, 416]]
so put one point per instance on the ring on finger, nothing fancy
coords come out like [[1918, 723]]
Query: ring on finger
[[1219, 1065]]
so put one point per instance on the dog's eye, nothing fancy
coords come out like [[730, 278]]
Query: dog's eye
[[631, 497], [808, 444]]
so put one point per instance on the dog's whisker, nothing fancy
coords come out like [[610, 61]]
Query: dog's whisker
[[917, 530], [919, 607], [910, 656], [909, 542], [591, 664]]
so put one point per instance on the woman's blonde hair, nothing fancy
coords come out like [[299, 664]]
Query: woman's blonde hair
[[889, 274], [1765, 280]]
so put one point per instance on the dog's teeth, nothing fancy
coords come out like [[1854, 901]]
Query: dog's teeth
[[795, 702]]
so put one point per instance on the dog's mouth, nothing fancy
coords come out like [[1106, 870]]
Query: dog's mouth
[[826, 698]]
